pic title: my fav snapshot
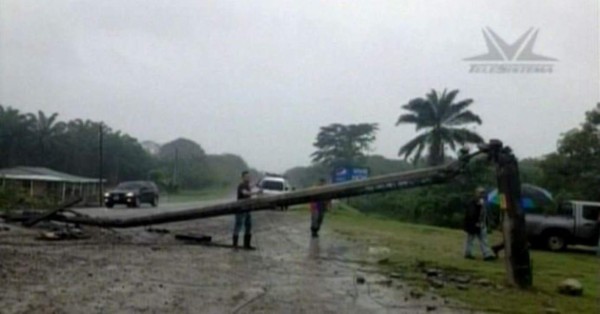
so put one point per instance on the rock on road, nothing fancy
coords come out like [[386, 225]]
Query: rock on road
[[135, 271]]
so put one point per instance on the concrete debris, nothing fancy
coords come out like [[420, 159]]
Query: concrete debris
[[432, 272], [416, 293], [571, 287], [436, 283], [360, 280], [483, 282], [430, 308], [380, 250], [63, 234]]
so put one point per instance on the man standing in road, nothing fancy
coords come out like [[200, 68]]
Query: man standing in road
[[244, 191], [475, 226], [317, 213]]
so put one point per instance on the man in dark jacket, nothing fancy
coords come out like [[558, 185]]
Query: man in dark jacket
[[475, 226], [244, 191]]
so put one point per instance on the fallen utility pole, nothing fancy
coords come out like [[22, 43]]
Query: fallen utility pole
[[429, 176], [518, 263]]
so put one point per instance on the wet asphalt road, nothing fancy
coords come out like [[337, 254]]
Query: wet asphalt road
[[136, 271]]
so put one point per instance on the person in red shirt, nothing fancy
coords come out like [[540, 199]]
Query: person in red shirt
[[317, 213]]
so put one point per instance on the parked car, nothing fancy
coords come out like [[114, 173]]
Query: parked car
[[274, 185], [575, 223], [133, 194]]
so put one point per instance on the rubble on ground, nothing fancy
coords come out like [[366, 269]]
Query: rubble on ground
[[571, 287]]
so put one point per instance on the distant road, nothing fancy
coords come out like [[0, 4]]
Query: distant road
[[146, 209]]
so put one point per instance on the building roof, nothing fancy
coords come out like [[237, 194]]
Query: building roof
[[42, 174]]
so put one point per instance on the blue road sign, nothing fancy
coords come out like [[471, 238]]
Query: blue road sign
[[349, 174]]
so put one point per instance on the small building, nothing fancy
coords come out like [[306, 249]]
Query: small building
[[44, 182]]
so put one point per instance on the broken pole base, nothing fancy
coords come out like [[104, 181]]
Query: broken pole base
[[517, 259]]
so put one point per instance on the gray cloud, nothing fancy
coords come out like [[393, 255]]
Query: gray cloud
[[259, 78]]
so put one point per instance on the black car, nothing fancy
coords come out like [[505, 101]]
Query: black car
[[132, 194]]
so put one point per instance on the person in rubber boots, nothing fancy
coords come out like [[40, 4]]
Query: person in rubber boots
[[244, 191]]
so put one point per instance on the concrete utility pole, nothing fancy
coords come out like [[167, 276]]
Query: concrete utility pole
[[100, 163], [516, 249], [518, 264]]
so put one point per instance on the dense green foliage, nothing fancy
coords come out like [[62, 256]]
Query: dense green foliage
[[440, 118], [73, 147], [186, 163], [441, 205], [11, 199], [226, 169], [302, 177], [573, 171], [341, 145]]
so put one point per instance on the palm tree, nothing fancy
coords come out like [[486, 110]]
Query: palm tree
[[439, 118], [14, 136], [46, 131]]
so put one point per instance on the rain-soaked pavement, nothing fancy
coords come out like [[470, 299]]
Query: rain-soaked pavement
[[135, 271]]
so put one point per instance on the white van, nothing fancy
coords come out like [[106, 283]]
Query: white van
[[274, 185]]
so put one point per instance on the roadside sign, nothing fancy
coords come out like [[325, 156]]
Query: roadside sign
[[345, 174]]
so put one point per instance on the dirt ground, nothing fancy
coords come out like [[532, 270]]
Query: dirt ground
[[136, 271]]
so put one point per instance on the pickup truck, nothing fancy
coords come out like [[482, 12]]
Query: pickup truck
[[574, 223]]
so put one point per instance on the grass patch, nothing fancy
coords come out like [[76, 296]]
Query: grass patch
[[196, 195], [415, 246]]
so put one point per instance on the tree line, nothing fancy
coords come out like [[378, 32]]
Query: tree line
[[440, 120], [42, 140]]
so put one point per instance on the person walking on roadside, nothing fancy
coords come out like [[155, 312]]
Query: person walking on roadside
[[475, 226], [317, 213], [244, 191]]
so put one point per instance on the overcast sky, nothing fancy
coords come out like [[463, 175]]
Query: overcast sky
[[258, 78]]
